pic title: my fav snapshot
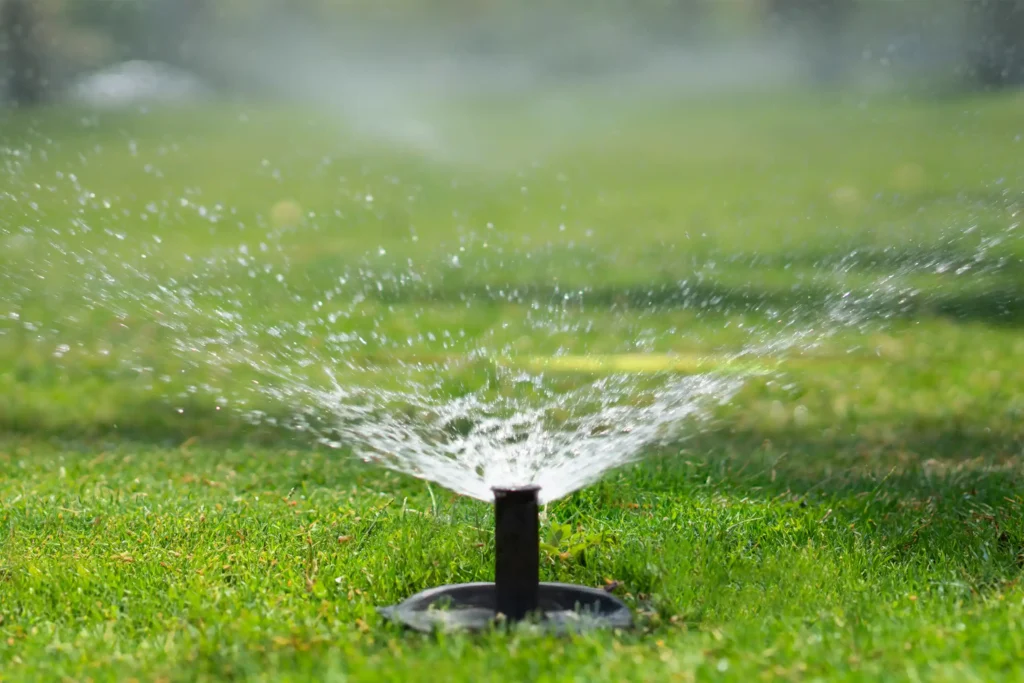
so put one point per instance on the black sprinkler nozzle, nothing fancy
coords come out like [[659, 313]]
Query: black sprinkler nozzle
[[517, 551]]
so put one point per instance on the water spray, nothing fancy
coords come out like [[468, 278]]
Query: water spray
[[517, 594]]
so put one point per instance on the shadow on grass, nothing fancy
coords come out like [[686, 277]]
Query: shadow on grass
[[922, 457], [938, 465], [1001, 304], [902, 281], [153, 422]]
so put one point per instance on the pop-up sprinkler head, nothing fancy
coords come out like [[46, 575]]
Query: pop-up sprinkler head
[[517, 592], [516, 551]]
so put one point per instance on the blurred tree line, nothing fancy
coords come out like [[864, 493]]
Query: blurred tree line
[[45, 42]]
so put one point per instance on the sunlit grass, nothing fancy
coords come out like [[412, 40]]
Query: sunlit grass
[[855, 514]]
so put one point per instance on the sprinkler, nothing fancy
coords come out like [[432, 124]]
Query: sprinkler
[[516, 552], [517, 594]]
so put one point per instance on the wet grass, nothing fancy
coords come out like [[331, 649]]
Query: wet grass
[[855, 516]]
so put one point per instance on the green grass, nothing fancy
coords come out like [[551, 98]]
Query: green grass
[[855, 515]]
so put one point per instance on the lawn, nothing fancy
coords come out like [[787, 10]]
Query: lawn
[[854, 514]]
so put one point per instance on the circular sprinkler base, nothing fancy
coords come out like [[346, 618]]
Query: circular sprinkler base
[[471, 607]]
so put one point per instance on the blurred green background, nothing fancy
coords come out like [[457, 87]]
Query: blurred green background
[[943, 43]]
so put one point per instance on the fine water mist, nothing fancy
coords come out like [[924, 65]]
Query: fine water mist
[[395, 82]]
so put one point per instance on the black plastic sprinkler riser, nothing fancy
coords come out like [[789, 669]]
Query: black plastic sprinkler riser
[[517, 551], [517, 592]]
